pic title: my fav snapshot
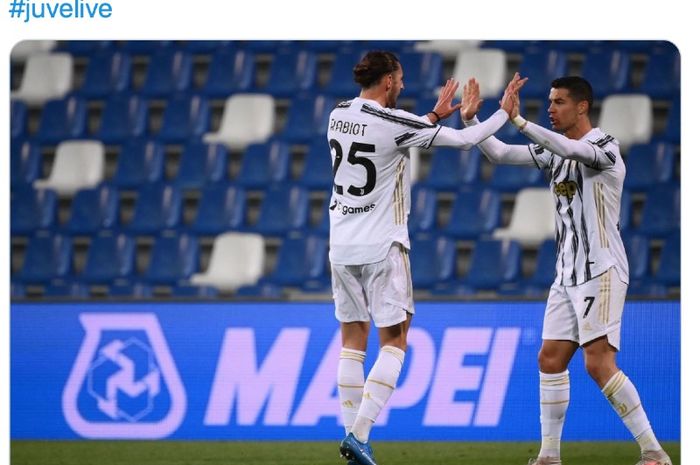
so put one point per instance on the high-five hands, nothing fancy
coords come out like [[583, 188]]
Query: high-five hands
[[443, 107], [471, 101]]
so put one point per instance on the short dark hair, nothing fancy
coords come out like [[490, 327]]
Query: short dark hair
[[373, 66], [578, 88]]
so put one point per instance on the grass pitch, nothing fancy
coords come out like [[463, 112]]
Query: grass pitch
[[314, 453]]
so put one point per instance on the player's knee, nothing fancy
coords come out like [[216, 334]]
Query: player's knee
[[549, 362]]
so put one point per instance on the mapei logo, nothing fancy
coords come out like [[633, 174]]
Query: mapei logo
[[566, 189], [120, 380]]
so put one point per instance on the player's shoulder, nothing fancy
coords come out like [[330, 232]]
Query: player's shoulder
[[599, 138], [396, 116]]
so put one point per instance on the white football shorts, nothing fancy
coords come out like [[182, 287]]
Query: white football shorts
[[586, 312], [381, 291]]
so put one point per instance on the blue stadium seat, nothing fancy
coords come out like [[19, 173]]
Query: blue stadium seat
[[201, 164], [324, 223], [433, 260], [300, 259], [62, 119], [451, 169], [545, 265], [494, 263], [108, 72], [110, 257], [264, 164], [514, 46], [47, 257], [509, 132], [261, 290], [475, 212], [341, 83], [512, 178], [185, 118], [126, 289], [662, 76], [317, 172], [625, 210], [140, 162], [290, 73], [32, 210], [422, 73], [669, 271], [158, 207], [144, 47], [222, 207], [265, 46], [646, 289], [423, 215], [541, 67], [672, 132], [325, 46], [66, 289], [124, 117], [204, 47], [195, 292], [608, 71], [638, 255], [285, 208], [426, 103], [17, 290], [18, 119], [85, 47], [661, 213], [169, 71], [307, 118], [230, 71], [93, 210], [649, 165], [25, 163], [173, 258]]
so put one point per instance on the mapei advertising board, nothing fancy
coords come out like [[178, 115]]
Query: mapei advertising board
[[268, 371]]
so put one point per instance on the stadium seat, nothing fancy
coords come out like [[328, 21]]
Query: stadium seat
[[93, 210], [221, 208], [341, 83], [25, 163], [194, 292], [230, 71], [201, 164], [236, 260], [144, 47], [158, 207], [608, 71], [638, 255], [123, 118], [78, 164], [18, 119], [24, 49], [509, 132], [448, 49], [512, 178], [47, 257], [185, 118], [532, 220], [247, 119], [317, 173], [265, 46], [291, 72], [545, 265], [488, 66], [264, 164], [66, 289], [82, 48], [422, 73], [173, 259], [662, 76], [46, 76], [169, 71], [17, 290], [325, 46], [433, 260], [300, 259], [307, 118], [541, 67], [648, 165], [669, 271], [661, 213], [646, 290], [32, 210], [475, 212], [108, 72], [625, 210], [262, 291], [451, 168], [628, 118], [423, 217], [672, 131], [140, 161], [110, 257], [493, 264], [204, 47], [61, 120], [323, 226], [121, 290], [285, 208]]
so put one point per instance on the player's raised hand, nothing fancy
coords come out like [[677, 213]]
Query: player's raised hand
[[443, 106], [471, 100], [510, 101]]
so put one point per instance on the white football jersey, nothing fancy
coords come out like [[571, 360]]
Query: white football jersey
[[587, 198]]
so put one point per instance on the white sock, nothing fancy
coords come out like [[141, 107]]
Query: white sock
[[351, 382], [379, 386], [624, 398], [554, 400]]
